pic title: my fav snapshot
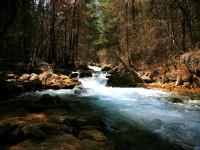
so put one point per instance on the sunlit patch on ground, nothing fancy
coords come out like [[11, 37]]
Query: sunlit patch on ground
[[36, 116]]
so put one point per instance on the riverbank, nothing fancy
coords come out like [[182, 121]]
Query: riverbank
[[181, 75], [118, 77], [17, 81], [81, 120], [46, 122], [171, 87]]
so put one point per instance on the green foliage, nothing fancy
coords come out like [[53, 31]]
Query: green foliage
[[99, 27], [107, 25]]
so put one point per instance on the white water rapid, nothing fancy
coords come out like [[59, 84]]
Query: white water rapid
[[147, 108]]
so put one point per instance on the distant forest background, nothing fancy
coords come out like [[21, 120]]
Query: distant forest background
[[136, 33]]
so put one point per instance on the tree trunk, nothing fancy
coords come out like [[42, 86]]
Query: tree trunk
[[52, 54]]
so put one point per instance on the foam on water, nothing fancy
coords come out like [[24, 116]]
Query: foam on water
[[95, 68]]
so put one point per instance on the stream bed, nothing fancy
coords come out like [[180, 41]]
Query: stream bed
[[126, 109]]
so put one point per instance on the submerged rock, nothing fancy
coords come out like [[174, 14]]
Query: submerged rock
[[46, 100]]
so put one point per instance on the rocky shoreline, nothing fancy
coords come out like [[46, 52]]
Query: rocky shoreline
[[172, 87], [44, 122], [46, 76], [47, 122], [42, 77]]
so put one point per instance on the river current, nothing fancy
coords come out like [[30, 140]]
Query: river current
[[147, 109]]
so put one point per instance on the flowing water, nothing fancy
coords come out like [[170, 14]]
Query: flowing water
[[143, 108]]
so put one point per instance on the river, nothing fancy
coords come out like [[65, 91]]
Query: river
[[146, 109]]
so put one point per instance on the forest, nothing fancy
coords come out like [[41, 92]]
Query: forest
[[66, 32], [66, 65]]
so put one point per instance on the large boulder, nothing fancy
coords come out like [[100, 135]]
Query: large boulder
[[54, 81], [192, 61], [47, 79], [120, 77], [189, 66]]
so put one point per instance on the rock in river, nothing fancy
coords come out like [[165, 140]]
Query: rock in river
[[120, 77]]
